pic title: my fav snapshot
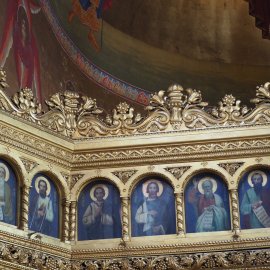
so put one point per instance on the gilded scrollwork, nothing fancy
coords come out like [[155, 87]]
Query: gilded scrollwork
[[78, 116], [231, 167], [177, 172], [28, 164], [75, 178], [124, 175]]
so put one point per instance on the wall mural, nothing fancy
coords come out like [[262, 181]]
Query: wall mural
[[207, 204], [152, 202], [99, 211], [90, 14], [254, 200], [18, 35], [8, 194], [44, 206]]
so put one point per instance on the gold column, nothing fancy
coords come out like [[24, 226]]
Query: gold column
[[65, 219], [125, 218], [25, 207], [72, 227], [235, 211], [179, 213]]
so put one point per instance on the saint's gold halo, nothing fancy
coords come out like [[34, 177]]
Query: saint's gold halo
[[46, 181], [2, 165], [144, 187], [263, 174], [214, 183], [92, 190]]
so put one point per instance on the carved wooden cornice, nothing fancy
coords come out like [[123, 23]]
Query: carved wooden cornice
[[77, 116]]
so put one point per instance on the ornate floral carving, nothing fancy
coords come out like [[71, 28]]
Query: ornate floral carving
[[28, 164], [231, 167], [66, 176], [78, 116], [124, 175], [177, 172], [262, 94], [75, 178]]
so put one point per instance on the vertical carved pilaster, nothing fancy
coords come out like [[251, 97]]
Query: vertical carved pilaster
[[72, 227], [25, 207], [125, 218], [179, 213], [235, 210], [65, 207]]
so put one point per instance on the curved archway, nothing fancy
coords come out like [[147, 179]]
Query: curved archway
[[207, 207], [152, 202]]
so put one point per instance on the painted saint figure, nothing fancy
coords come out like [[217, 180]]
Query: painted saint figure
[[6, 211], [151, 213], [255, 206], [98, 215], [18, 33], [41, 214], [211, 214]]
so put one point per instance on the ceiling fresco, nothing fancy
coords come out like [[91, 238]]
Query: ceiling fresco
[[143, 46]]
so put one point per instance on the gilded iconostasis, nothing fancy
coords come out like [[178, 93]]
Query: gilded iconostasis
[[100, 169]]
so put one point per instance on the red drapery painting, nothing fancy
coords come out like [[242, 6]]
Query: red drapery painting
[[18, 34], [260, 9]]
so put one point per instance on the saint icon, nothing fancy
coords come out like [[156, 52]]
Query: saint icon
[[210, 213], [151, 213], [255, 205], [6, 211], [41, 212], [98, 218]]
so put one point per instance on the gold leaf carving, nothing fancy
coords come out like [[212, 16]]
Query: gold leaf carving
[[75, 178], [124, 175], [28, 164], [231, 168], [177, 172], [77, 116]]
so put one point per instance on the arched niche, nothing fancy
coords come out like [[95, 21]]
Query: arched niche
[[44, 205], [153, 207], [99, 211], [207, 207], [254, 198], [9, 193]]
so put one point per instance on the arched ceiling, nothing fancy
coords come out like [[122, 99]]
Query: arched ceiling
[[147, 45]]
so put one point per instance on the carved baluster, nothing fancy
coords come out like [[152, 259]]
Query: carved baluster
[[65, 205], [25, 207], [125, 218], [235, 211], [72, 227], [179, 213]]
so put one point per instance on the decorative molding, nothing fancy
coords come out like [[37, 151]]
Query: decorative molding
[[66, 176], [177, 172], [25, 258], [179, 197], [28, 164], [124, 175], [231, 167], [76, 116], [75, 178]]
